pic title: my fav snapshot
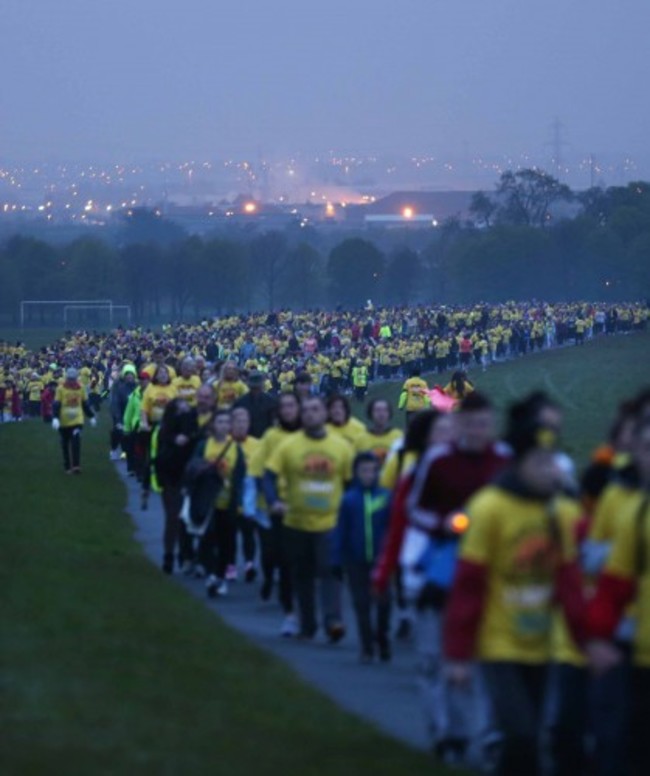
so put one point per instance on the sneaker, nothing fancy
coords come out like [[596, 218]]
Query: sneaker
[[231, 573], [76, 470], [222, 589], [335, 632], [211, 586], [114, 455], [290, 626], [250, 572], [188, 569]]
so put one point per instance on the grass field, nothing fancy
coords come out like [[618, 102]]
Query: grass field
[[33, 338], [108, 667], [589, 382]]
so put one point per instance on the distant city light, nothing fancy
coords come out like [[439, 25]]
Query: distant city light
[[408, 212], [250, 207]]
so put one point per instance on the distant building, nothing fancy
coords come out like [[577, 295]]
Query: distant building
[[420, 208]]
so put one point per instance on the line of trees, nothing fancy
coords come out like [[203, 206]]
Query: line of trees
[[532, 238]]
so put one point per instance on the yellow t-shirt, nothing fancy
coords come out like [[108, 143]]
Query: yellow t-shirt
[[633, 532], [379, 444], [315, 472], [417, 394], [154, 400], [273, 438], [228, 391], [150, 369], [186, 388], [351, 431], [71, 400], [510, 536], [391, 471], [213, 450]]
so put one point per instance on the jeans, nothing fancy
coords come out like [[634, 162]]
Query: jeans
[[451, 712]]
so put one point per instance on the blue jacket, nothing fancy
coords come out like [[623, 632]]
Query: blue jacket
[[362, 525]]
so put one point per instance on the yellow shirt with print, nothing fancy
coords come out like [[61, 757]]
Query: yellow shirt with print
[[511, 536], [315, 472], [71, 401], [154, 400], [186, 388]]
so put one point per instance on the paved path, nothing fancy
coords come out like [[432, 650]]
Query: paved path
[[384, 694]]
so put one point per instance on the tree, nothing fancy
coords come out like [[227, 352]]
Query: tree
[[528, 195], [224, 281], [482, 208], [268, 254], [403, 276], [303, 277], [355, 270]]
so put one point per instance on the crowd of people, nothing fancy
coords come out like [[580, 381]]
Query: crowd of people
[[523, 585]]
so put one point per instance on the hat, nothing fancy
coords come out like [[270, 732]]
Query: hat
[[71, 373], [144, 375], [128, 369], [256, 378]]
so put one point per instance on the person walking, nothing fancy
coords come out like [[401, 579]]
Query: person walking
[[358, 538], [315, 466], [70, 407]]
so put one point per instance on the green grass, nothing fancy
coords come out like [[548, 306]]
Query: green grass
[[109, 667], [34, 338], [589, 382]]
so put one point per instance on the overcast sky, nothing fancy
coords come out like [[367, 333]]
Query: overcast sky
[[94, 79]]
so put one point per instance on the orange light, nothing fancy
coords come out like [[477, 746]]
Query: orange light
[[408, 212], [250, 207], [459, 523]]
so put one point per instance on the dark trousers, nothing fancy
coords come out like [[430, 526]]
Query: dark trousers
[[172, 499], [567, 719], [274, 557], [245, 528], [71, 446], [358, 576], [516, 692], [216, 546], [640, 715], [116, 438], [309, 554], [609, 704]]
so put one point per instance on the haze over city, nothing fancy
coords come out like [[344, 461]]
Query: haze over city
[[458, 82]]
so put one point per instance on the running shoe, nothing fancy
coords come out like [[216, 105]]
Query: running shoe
[[211, 586], [231, 573], [222, 589], [290, 626]]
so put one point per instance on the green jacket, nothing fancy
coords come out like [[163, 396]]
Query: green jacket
[[131, 420]]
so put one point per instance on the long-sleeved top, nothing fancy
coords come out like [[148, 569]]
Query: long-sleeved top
[[361, 526]]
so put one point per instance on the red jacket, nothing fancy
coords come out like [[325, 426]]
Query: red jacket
[[446, 479]]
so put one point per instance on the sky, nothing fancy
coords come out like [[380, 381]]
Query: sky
[[131, 79]]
